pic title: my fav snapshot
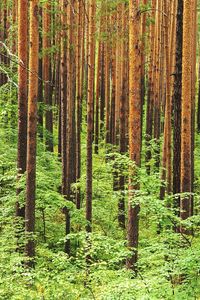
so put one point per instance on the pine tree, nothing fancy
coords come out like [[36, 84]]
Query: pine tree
[[177, 103], [90, 102], [22, 93], [32, 130], [134, 126]]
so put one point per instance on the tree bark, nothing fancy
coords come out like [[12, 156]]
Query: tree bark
[[186, 147], [90, 101], [22, 94], [134, 127], [32, 130], [177, 94]]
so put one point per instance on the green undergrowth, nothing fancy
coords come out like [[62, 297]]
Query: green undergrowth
[[169, 263]]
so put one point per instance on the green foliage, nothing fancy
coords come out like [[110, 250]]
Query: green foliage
[[168, 265]]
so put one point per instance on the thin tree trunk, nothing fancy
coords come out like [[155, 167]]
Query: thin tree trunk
[[102, 96], [149, 114], [22, 94], [158, 53], [107, 81], [118, 84], [122, 125], [90, 98], [166, 160], [198, 109], [193, 82], [32, 130], [98, 86], [143, 58], [79, 102], [47, 76], [113, 90], [40, 85]]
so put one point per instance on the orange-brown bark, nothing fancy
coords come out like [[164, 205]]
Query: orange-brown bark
[[134, 125], [186, 147]]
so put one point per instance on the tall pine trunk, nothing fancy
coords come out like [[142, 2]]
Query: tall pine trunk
[[186, 147], [177, 105], [22, 94], [134, 127], [90, 102], [32, 130]]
